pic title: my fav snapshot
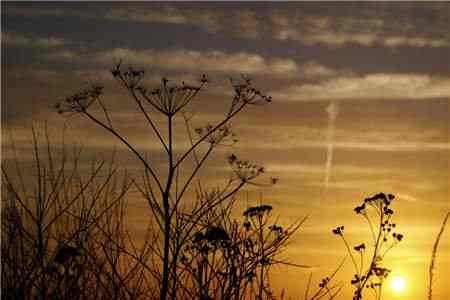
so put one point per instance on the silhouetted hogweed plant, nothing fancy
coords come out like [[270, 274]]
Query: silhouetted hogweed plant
[[229, 259], [169, 98], [81, 101], [166, 188], [223, 135], [384, 238], [247, 172]]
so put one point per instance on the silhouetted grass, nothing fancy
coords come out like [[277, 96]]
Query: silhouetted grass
[[433, 257]]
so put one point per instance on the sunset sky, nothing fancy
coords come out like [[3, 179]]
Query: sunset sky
[[364, 86]]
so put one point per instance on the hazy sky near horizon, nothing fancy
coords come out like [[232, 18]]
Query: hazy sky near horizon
[[371, 79]]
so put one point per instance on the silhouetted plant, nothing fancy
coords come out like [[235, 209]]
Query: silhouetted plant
[[228, 259], [384, 238], [433, 257], [326, 289], [166, 193], [51, 215]]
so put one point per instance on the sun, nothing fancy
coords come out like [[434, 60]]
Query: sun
[[398, 284]]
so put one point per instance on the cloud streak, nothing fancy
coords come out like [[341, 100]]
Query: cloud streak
[[318, 29], [19, 40], [328, 37], [317, 169], [389, 138], [191, 60], [370, 86], [368, 25], [366, 146]]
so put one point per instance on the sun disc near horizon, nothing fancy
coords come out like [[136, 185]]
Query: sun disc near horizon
[[398, 284]]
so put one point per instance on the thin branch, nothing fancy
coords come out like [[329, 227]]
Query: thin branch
[[228, 118], [126, 143]]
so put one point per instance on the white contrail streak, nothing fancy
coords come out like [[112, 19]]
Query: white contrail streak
[[332, 111]]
